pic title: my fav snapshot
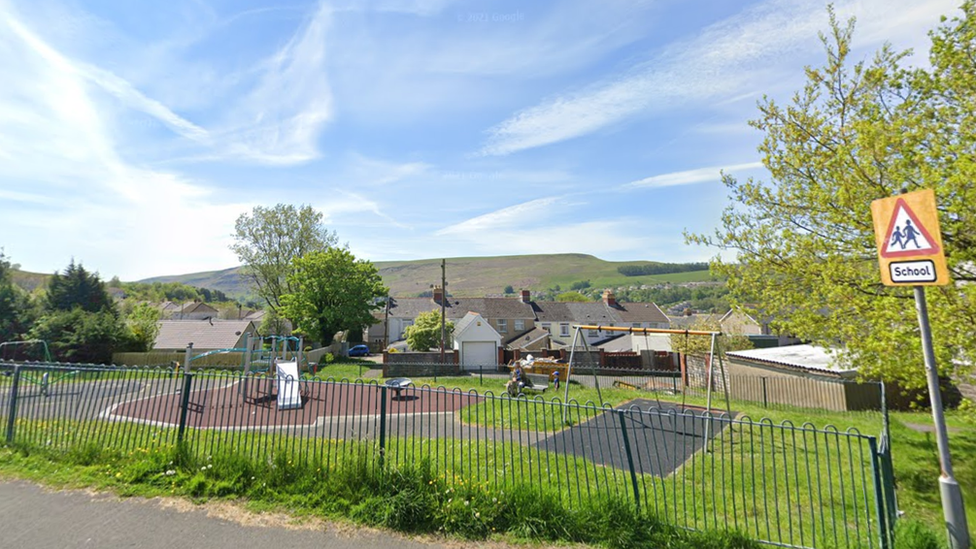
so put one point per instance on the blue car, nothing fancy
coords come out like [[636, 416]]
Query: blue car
[[359, 350]]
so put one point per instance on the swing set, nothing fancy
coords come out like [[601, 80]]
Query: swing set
[[713, 350]]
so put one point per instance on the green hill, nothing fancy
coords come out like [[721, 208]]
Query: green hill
[[474, 276]]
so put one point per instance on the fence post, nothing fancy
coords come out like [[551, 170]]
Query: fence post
[[184, 403], [12, 405], [630, 458], [765, 394], [383, 392], [879, 494]]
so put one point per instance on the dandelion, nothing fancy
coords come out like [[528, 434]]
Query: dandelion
[[466, 503], [477, 515]]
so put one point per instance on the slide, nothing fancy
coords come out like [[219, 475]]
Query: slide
[[289, 395]]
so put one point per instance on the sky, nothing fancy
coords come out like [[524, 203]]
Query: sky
[[133, 134]]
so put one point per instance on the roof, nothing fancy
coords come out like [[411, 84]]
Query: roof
[[197, 307], [811, 358], [456, 308], [617, 344], [598, 313], [204, 334], [527, 338]]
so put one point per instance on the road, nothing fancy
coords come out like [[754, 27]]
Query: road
[[35, 517]]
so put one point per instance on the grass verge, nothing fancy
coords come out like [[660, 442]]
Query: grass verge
[[408, 498]]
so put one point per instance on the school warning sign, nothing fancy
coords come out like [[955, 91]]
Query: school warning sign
[[906, 229]]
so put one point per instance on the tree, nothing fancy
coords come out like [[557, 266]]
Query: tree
[[804, 241], [701, 345], [425, 333], [81, 336], [273, 324], [579, 285], [15, 307], [143, 324], [77, 288], [509, 289], [572, 296], [268, 240], [332, 291]]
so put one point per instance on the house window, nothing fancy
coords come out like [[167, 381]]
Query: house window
[[636, 325], [545, 326], [503, 326], [519, 325], [564, 329], [594, 333]]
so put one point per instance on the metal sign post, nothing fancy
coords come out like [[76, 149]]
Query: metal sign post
[[910, 253]]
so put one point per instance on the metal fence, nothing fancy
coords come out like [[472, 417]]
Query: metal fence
[[782, 484]]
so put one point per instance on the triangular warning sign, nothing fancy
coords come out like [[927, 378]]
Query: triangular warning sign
[[906, 236]]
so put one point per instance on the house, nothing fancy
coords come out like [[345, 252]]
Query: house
[[477, 342], [206, 335], [509, 317], [558, 318], [193, 310], [535, 339]]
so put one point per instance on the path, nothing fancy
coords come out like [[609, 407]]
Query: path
[[37, 517]]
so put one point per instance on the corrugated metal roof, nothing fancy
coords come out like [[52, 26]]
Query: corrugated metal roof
[[804, 357]]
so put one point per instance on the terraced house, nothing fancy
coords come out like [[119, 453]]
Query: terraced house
[[520, 320]]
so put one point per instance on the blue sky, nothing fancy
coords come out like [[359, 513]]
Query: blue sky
[[132, 134]]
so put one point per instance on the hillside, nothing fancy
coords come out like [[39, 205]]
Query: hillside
[[473, 276]]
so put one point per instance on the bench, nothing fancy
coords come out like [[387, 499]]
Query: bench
[[398, 384], [536, 382]]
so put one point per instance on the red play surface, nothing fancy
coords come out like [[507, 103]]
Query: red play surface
[[230, 405]]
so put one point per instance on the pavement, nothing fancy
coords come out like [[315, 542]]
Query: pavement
[[34, 517]]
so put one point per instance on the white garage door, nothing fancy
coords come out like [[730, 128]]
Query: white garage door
[[477, 354]]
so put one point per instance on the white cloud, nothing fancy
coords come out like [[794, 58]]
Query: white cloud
[[66, 185], [279, 121], [505, 218], [727, 59], [371, 171], [688, 177]]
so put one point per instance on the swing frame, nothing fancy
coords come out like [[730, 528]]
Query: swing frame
[[714, 347]]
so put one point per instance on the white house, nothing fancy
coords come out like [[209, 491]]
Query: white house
[[477, 341]]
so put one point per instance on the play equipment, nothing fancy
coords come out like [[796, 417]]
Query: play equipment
[[43, 379], [258, 358], [289, 391], [711, 356]]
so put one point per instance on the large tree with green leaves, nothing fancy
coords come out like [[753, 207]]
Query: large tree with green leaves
[[77, 287], [332, 291], [804, 242], [425, 332], [268, 240]]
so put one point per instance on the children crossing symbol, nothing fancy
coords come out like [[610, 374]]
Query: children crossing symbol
[[906, 236]]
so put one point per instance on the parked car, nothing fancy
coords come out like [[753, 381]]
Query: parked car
[[359, 350]]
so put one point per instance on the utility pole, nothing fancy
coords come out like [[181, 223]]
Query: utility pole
[[443, 307]]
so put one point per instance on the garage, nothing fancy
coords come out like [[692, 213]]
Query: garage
[[477, 342], [478, 353]]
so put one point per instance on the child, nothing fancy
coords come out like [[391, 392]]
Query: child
[[555, 379]]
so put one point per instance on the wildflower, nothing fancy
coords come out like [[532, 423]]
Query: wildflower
[[477, 515], [466, 503]]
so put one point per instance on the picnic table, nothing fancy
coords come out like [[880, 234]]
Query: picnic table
[[398, 384]]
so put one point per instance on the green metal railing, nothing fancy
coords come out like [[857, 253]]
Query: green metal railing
[[783, 484]]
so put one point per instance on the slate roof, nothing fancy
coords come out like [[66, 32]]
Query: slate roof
[[204, 334], [598, 313], [526, 338], [456, 308]]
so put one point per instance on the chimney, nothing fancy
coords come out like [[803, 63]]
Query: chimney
[[609, 299], [525, 296], [438, 294]]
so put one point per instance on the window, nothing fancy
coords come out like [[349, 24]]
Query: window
[[503, 326], [636, 325], [545, 326], [519, 325], [564, 329], [594, 333]]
